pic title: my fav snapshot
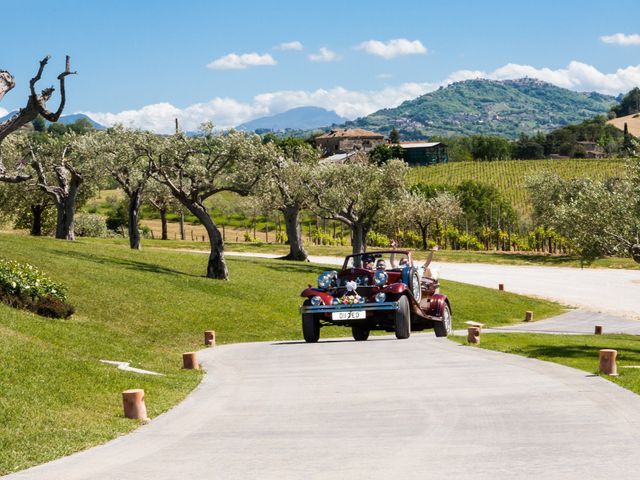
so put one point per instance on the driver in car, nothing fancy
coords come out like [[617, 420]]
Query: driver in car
[[381, 264]]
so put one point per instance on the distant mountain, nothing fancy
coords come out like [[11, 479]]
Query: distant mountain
[[301, 118], [66, 119], [506, 108], [74, 117]]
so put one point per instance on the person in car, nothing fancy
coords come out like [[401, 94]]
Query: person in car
[[381, 264], [367, 262]]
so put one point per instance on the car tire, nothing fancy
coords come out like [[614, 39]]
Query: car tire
[[310, 326], [444, 328], [414, 284], [360, 332], [403, 319]]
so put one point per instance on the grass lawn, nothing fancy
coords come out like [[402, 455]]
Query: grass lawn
[[577, 351], [147, 308]]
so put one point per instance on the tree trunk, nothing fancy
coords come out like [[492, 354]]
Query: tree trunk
[[64, 223], [359, 242], [216, 267], [134, 209], [423, 231], [36, 225], [163, 220], [294, 234]]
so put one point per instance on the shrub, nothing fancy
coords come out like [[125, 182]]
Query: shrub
[[53, 307], [375, 239], [90, 225], [24, 286]]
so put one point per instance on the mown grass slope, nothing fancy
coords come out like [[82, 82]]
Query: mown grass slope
[[147, 308]]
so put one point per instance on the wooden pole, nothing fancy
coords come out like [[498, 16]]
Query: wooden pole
[[190, 361], [133, 404], [473, 335], [528, 316], [598, 330], [608, 362], [210, 338]]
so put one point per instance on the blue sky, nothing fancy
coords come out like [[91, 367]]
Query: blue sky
[[144, 62]]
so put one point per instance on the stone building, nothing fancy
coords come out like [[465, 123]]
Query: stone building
[[348, 140]]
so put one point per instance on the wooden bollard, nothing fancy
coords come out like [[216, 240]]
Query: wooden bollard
[[501, 287], [133, 404], [473, 335], [190, 361], [598, 330], [528, 316], [608, 362], [210, 338]]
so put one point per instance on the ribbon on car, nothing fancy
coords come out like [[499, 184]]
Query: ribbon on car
[[352, 286]]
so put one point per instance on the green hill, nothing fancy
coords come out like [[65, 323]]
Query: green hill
[[489, 107], [509, 176]]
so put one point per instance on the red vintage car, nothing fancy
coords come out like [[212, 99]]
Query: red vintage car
[[381, 290]]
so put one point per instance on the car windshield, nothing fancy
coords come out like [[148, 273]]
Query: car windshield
[[378, 260]]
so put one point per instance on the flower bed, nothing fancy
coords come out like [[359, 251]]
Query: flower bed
[[24, 286]]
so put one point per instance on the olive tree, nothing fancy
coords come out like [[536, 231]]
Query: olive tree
[[421, 211], [119, 150], [159, 196], [354, 192], [62, 165], [598, 218], [195, 168], [286, 189]]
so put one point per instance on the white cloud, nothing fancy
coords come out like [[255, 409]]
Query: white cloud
[[384, 76], [621, 39], [3, 112], [323, 55], [295, 45], [227, 112], [234, 61], [576, 76], [393, 48]]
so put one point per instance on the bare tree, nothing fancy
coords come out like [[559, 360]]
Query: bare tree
[[37, 102], [36, 105]]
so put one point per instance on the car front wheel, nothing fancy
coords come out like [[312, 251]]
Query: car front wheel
[[310, 326], [403, 319]]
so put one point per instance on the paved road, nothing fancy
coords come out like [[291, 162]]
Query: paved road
[[417, 409], [611, 291]]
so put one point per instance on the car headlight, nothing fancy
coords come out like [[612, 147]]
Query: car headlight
[[381, 297], [324, 280], [380, 277], [316, 301], [335, 301]]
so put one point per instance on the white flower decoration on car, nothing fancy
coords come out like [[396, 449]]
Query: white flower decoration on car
[[352, 286]]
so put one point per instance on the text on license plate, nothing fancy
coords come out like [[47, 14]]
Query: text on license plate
[[350, 315]]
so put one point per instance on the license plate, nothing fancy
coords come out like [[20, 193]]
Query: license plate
[[350, 315]]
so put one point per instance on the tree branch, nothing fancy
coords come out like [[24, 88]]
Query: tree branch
[[36, 103]]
